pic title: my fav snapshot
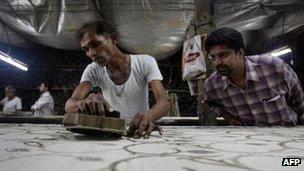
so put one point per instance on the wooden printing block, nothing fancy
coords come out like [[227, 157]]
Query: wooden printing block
[[94, 125]]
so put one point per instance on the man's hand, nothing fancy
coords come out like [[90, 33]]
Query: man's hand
[[142, 126], [233, 120], [94, 104]]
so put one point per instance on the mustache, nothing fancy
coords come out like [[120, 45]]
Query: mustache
[[221, 66]]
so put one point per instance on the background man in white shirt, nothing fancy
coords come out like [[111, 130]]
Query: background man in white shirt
[[11, 103], [123, 78], [45, 104]]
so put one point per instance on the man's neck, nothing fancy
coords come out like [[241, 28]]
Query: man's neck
[[11, 98], [119, 68], [117, 62]]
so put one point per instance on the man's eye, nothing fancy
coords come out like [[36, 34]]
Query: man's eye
[[211, 57], [95, 44], [224, 55]]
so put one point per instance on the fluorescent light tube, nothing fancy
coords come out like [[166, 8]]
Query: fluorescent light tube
[[281, 52], [6, 58]]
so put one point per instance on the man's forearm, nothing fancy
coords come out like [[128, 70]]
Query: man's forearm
[[42, 103], [71, 106], [159, 110]]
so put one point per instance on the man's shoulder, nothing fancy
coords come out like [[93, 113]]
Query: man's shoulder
[[92, 65], [263, 59], [266, 62], [213, 81], [143, 61], [17, 99], [47, 93], [213, 76], [142, 57], [94, 68]]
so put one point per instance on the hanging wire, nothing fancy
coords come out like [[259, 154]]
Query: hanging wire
[[170, 79], [99, 9], [283, 22], [8, 39], [196, 19]]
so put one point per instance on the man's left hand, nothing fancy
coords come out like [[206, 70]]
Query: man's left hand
[[142, 126]]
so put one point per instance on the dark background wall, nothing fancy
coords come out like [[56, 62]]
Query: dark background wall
[[63, 70]]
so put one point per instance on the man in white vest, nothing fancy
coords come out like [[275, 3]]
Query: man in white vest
[[11, 103], [123, 78]]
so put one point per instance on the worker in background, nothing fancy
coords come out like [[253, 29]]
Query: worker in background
[[11, 103], [44, 106]]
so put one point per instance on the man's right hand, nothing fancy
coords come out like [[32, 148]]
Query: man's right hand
[[94, 104]]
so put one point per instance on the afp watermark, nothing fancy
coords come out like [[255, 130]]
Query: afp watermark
[[291, 161]]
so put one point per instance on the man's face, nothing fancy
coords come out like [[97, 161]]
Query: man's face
[[97, 47], [225, 60], [9, 93], [42, 88]]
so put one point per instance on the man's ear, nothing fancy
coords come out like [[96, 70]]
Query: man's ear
[[113, 37], [241, 52]]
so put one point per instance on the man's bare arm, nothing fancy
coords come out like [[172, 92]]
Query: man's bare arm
[[142, 124], [80, 93], [162, 105]]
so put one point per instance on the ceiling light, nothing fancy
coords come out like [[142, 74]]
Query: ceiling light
[[5, 57], [281, 51]]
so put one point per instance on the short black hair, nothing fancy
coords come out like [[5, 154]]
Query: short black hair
[[100, 27], [46, 84], [229, 37]]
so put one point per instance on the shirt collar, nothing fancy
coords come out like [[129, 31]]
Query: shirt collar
[[45, 93], [226, 82], [251, 74]]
